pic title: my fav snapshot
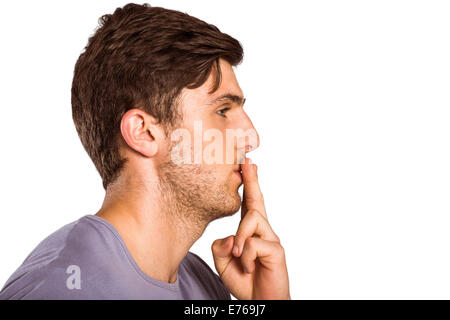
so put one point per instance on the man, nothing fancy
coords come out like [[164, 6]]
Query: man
[[148, 77]]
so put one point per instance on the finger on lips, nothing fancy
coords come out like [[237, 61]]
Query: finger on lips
[[252, 195], [254, 237]]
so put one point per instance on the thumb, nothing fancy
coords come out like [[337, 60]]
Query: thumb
[[221, 250]]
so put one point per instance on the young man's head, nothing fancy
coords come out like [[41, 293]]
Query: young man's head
[[156, 104]]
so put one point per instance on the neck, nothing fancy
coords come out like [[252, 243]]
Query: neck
[[157, 230]]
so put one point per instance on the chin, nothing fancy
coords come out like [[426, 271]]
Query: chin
[[229, 205], [234, 204]]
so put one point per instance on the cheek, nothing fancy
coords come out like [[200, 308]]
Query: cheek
[[218, 133]]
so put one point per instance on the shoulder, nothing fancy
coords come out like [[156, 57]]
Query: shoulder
[[202, 272], [51, 270]]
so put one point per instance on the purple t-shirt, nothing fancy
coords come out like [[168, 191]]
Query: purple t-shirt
[[88, 259]]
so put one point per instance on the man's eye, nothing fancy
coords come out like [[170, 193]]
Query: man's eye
[[221, 112]]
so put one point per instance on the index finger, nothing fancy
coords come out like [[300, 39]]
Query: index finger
[[252, 195]]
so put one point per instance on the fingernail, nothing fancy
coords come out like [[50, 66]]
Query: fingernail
[[236, 250]]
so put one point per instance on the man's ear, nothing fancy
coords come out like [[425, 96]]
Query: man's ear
[[141, 132]]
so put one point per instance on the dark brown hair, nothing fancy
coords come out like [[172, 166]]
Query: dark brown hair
[[141, 57]]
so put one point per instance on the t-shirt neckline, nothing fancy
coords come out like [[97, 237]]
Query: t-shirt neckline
[[166, 285]]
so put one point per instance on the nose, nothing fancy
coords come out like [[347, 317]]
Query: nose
[[252, 140]]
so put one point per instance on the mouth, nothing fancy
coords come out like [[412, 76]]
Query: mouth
[[238, 172]]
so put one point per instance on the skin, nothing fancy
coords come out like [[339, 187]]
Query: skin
[[252, 263], [161, 209]]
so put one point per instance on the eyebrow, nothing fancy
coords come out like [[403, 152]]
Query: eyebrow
[[229, 97]]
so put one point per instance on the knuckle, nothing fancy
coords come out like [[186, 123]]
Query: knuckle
[[280, 249], [250, 243], [254, 214], [218, 243], [254, 200], [214, 244], [251, 201]]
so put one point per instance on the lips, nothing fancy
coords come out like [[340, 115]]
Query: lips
[[238, 174], [237, 170]]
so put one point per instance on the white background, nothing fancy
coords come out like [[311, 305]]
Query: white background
[[352, 103]]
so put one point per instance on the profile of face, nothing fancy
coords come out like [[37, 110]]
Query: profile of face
[[213, 138]]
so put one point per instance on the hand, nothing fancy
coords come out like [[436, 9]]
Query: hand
[[257, 270]]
